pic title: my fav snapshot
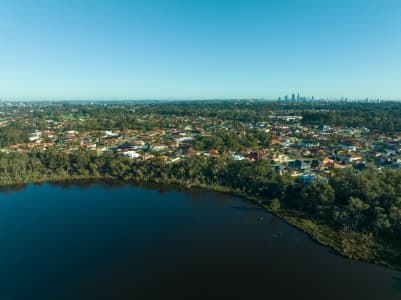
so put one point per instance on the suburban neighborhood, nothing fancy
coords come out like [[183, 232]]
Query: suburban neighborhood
[[310, 152]]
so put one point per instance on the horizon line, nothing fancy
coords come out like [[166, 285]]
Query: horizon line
[[277, 99]]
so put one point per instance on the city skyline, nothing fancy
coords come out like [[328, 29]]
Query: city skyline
[[290, 97], [99, 50]]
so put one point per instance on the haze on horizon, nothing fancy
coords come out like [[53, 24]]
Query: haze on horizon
[[98, 50]]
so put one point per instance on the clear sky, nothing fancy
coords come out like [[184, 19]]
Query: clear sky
[[172, 49]]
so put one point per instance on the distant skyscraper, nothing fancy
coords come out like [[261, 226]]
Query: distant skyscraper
[[286, 98], [293, 97]]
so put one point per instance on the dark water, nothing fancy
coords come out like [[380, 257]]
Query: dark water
[[126, 242]]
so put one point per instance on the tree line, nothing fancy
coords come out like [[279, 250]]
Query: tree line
[[366, 204]]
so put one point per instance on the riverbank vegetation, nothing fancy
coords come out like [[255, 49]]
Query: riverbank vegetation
[[357, 214]]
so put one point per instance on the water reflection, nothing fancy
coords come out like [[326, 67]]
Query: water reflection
[[273, 220], [397, 283], [245, 208], [9, 189], [144, 241]]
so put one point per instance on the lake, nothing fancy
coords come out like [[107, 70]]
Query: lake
[[116, 241]]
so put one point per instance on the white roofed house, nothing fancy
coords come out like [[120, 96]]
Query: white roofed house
[[347, 147], [185, 139], [352, 158], [109, 133], [131, 154], [72, 132], [159, 147]]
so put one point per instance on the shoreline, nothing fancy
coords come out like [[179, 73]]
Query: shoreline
[[321, 234]]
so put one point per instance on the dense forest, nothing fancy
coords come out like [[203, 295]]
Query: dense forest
[[230, 140], [383, 117], [12, 135], [361, 211]]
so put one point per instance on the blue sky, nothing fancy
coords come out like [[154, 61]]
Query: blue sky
[[177, 49]]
